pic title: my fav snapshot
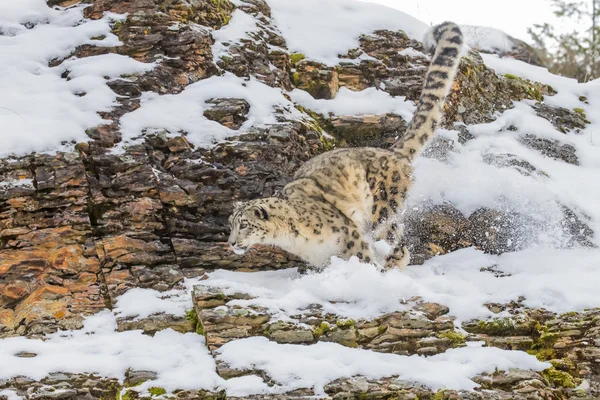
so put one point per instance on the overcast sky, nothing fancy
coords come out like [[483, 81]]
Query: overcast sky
[[511, 16]]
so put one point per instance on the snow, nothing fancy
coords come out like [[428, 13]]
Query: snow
[[181, 361], [410, 52], [184, 111], [10, 183], [240, 25], [297, 366], [322, 30], [142, 303], [360, 291], [106, 65], [40, 110], [10, 394], [568, 88], [348, 102], [487, 39]]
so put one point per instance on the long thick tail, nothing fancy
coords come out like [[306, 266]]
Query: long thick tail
[[447, 39]]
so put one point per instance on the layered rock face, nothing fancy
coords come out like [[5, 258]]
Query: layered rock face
[[80, 228]]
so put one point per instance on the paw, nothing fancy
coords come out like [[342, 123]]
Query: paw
[[399, 259]]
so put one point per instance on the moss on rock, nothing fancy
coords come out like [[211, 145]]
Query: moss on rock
[[457, 338], [322, 329], [156, 391], [296, 57], [348, 323], [559, 378], [497, 326], [192, 316]]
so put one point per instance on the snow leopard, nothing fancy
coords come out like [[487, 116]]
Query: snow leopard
[[341, 202]]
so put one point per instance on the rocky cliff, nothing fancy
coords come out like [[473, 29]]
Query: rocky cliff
[[133, 219]]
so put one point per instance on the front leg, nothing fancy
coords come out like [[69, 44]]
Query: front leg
[[390, 232], [400, 258]]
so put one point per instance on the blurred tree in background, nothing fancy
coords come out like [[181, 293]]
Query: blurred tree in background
[[574, 54]]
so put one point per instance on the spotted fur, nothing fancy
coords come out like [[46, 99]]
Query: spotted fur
[[342, 200]]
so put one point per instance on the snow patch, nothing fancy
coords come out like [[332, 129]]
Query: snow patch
[[10, 183], [39, 110], [487, 39], [239, 27], [347, 102], [309, 26], [568, 89], [104, 66], [142, 303], [410, 52], [10, 394], [183, 112], [181, 361], [360, 291], [297, 366]]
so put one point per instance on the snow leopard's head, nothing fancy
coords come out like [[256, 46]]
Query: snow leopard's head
[[253, 222]]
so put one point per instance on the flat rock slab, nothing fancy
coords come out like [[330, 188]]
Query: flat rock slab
[[410, 332]]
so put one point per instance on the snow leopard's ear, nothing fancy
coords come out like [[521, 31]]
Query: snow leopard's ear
[[261, 213], [237, 205]]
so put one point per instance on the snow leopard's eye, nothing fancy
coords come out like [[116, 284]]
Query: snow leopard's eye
[[243, 225]]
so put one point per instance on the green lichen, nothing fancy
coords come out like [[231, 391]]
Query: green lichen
[[156, 391], [580, 111], [345, 323], [547, 339], [192, 316], [354, 53], [583, 99], [225, 61], [318, 123], [224, 10], [296, 57], [531, 90], [381, 329], [535, 93], [456, 338], [327, 142], [322, 329], [220, 296], [497, 326], [296, 78], [543, 346], [572, 313], [439, 395], [129, 395], [563, 364], [559, 378], [542, 354]]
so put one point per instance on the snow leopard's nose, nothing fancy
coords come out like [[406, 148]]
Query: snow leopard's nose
[[232, 240]]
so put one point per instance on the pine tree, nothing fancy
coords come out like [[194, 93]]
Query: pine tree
[[573, 54]]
